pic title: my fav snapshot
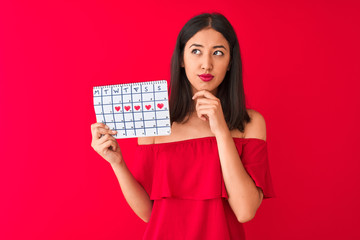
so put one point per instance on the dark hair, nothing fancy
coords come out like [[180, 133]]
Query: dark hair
[[230, 91]]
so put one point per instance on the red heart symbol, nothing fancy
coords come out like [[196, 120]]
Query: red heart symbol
[[137, 108], [127, 108], [160, 105], [148, 107], [117, 108]]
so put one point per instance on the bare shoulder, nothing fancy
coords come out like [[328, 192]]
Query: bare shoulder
[[256, 128], [146, 140]]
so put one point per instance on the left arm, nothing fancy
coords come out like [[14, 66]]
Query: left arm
[[244, 196]]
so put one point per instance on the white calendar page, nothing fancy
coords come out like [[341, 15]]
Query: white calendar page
[[134, 109]]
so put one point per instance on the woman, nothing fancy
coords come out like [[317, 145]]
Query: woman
[[211, 174]]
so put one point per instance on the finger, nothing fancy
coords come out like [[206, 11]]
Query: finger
[[206, 107], [99, 131], [113, 144], [207, 112], [210, 111], [96, 125], [204, 93], [104, 138], [106, 145], [206, 101], [107, 138], [202, 114]]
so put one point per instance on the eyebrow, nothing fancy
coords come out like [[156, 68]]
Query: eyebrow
[[198, 45]]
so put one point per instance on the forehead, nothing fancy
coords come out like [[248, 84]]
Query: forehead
[[208, 38]]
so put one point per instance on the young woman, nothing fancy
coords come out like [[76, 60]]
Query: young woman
[[211, 174]]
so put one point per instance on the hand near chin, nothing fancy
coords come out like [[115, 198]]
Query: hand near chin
[[208, 108]]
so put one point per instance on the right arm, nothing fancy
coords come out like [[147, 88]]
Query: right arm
[[107, 147], [134, 193]]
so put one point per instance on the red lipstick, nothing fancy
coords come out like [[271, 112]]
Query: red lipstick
[[206, 77]]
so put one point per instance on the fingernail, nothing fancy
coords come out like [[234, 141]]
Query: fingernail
[[106, 127], [113, 131]]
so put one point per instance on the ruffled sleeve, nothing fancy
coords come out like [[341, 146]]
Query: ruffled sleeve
[[191, 169], [185, 170], [254, 156]]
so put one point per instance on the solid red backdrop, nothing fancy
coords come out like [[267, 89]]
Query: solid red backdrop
[[301, 72]]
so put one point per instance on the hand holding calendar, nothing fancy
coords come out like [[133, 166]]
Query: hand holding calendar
[[134, 109], [105, 144]]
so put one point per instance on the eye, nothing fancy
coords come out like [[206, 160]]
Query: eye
[[194, 51], [219, 53]]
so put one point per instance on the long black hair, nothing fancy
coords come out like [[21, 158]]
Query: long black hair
[[230, 91]]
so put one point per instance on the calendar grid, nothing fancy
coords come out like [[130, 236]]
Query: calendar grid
[[134, 109], [102, 106], [143, 118], [122, 107], [155, 106], [112, 105], [132, 112]]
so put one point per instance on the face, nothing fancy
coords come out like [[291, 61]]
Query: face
[[206, 60]]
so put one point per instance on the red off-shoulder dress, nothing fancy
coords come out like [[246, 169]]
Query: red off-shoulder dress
[[185, 181]]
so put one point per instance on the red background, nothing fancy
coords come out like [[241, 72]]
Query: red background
[[301, 72]]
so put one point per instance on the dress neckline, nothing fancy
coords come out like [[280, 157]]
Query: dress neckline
[[199, 139]]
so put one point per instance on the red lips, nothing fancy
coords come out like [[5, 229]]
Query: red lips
[[206, 77]]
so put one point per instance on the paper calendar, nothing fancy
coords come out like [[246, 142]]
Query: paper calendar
[[134, 109]]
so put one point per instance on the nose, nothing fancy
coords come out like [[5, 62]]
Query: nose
[[206, 62]]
